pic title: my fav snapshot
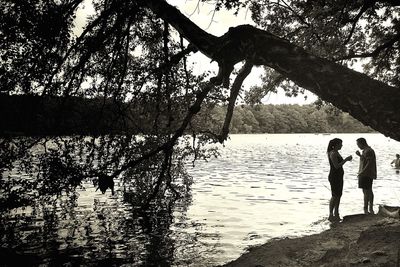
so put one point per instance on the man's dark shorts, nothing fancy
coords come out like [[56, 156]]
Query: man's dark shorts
[[365, 182]]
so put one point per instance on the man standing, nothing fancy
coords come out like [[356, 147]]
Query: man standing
[[366, 173]]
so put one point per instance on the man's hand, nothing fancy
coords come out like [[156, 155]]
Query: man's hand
[[358, 153]]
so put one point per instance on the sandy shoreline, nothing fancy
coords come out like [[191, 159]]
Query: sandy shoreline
[[359, 240]]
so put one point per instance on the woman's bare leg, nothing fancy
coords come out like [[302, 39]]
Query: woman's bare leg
[[336, 207]]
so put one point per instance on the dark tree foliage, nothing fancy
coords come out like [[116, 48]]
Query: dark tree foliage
[[131, 55], [342, 31], [125, 59]]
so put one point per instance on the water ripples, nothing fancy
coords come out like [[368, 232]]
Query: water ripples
[[262, 187], [278, 186]]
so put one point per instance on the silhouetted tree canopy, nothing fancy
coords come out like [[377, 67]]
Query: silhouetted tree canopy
[[133, 53]]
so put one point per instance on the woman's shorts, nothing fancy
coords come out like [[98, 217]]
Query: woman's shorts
[[365, 182], [336, 187]]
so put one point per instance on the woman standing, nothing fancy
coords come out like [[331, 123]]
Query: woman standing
[[336, 172]]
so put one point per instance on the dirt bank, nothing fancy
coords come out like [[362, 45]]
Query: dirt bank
[[359, 240]]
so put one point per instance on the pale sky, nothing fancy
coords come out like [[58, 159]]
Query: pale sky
[[84, 10], [202, 15]]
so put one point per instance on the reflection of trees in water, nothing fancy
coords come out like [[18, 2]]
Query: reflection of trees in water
[[148, 168], [59, 164], [127, 228]]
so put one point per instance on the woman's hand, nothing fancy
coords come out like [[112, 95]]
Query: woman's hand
[[349, 158]]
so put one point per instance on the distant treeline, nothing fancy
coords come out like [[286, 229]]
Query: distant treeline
[[290, 119], [34, 115]]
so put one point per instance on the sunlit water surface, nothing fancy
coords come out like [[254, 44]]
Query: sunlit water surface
[[261, 187]]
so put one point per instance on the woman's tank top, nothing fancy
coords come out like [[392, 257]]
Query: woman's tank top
[[333, 172]]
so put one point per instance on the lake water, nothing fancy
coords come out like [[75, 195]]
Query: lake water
[[261, 187]]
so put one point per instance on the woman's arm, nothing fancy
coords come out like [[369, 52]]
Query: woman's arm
[[335, 159]]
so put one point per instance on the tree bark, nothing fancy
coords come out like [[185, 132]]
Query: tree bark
[[372, 102]]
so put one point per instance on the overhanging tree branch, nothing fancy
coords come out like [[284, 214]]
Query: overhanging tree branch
[[236, 86], [372, 102], [204, 41], [193, 110], [376, 51], [367, 4]]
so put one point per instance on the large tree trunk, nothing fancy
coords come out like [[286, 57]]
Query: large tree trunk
[[370, 101]]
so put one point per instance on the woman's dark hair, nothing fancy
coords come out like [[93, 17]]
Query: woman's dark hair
[[333, 143]]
